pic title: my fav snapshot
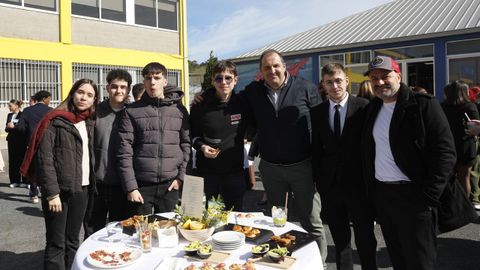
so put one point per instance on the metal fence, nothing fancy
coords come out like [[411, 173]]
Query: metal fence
[[20, 79], [98, 73]]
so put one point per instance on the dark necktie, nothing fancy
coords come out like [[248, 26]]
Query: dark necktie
[[336, 121]]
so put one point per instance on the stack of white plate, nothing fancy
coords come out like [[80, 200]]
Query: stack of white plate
[[228, 240]]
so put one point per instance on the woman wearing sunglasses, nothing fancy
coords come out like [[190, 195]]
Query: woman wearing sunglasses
[[62, 154], [217, 131]]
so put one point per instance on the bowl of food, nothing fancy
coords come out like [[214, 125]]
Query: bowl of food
[[204, 251], [277, 254], [195, 231], [260, 250], [192, 248]]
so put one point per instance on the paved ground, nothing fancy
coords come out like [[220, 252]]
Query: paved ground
[[22, 234]]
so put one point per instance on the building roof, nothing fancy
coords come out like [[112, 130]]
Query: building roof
[[400, 20]]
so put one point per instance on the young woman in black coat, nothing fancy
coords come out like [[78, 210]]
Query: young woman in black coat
[[62, 152], [459, 110]]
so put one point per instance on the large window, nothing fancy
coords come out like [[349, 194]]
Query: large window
[[20, 79], [332, 58], [98, 73], [145, 12], [50, 5], [465, 69], [407, 52], [167, 14], [87, 8], [463, 47], [156, 13], [114, 10], [464, 61], [355, 64]]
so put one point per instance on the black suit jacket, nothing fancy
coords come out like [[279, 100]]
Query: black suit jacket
[[14, 134], [336, 162], [420, 140]]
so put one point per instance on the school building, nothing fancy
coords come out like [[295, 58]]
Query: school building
[[434, 41], [49, 44]]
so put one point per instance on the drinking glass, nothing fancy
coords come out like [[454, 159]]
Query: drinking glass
[[145, 237], [114, 229], [279, 215]]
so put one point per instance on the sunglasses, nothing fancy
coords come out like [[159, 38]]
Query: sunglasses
[[219, 79]]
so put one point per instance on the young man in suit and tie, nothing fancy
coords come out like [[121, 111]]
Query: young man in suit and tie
[[336, 130]]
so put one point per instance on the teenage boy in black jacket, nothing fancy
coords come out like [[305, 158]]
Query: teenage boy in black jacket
[[217, 132]]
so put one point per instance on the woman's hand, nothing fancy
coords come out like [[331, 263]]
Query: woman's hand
[[55, 205], [473, 127], [209, 152]]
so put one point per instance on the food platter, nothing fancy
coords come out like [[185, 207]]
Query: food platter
[[129, 227], [262, 236], [297, 240], [113, 256]]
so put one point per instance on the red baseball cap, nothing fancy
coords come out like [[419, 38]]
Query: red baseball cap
[[382, 62]]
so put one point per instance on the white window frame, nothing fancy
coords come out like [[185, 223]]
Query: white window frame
[[22, 6], [130, 16]]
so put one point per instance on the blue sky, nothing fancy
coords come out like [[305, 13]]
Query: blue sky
[[231, 27]]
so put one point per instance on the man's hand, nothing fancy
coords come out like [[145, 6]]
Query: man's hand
[[253, 179], [197, 98], [135, 196], [10, 125], [176, 184], [209, 152], [55, 205]]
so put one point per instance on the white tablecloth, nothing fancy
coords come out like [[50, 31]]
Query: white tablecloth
[[308, 257]]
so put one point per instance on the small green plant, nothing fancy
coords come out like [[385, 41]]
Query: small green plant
[[213, 215]]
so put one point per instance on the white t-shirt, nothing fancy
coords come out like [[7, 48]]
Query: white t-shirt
[[82, 129], [386, 170]]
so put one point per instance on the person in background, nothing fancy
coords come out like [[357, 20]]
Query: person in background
[[154, 145], [473, 93], [336, 128], [27, 123], [137, 91], [62, 156], [408, 155], [16, 144], [109, 200], [365, 90], [323, 93], [32, 101], [459, 110], [218, 131], [418, 89]]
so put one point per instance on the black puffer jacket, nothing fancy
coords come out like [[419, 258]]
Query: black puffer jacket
[[154, 142], [59, 158]]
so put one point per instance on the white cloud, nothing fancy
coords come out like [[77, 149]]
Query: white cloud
[[263, 22]]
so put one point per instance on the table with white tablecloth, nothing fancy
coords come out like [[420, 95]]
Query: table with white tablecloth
[[307, 257]]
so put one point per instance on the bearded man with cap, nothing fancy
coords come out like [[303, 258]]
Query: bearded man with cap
[[408, 155]]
